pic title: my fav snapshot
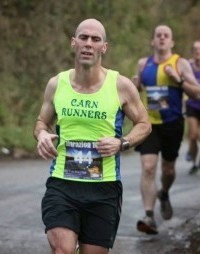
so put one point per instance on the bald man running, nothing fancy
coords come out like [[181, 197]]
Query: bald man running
[[88, 104]]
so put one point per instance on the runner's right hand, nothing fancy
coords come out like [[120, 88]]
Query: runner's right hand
[[45, 146]]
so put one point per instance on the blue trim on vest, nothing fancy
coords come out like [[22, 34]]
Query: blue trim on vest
[[118, 133], [117, 169], [52, 166], [119, 123]]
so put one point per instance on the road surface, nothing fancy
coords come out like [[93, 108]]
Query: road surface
[[22, 187]]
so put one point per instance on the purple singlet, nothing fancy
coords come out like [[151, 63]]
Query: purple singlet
[[193, 102]]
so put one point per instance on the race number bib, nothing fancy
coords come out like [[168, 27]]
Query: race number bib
[[82, 160], [157, 97]]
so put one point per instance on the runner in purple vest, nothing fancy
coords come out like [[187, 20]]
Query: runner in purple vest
[[193, 112]]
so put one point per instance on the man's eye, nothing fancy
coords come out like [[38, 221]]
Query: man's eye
[[95, 38], [83, 37]]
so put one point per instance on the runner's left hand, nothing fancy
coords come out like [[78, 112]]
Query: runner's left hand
[[108, 146]]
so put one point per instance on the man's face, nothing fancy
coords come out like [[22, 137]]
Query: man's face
[[162, 40], [196, 50], [89, 44]]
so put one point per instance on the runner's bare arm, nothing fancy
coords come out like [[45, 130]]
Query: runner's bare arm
[[136, 78], [190, 84], [135, 111], [46, 148], [137, 114], [185, 77]]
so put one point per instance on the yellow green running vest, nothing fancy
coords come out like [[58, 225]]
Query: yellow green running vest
[[82, 119], [161, 95]]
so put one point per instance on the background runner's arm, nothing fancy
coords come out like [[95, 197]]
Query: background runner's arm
[[190, 84], [136, 78]]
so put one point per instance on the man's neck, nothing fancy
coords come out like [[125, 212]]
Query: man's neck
[[87, 75], [160, 57], [88, 79], [197, 63]]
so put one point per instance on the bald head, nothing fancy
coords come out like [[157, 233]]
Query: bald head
[[196, 44], [91, 24]]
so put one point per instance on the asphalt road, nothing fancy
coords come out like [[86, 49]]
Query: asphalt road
[[22, 187]]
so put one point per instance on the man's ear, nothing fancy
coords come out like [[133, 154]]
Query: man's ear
[[73, 42], [105, 47], [172, 44], [152, 43]]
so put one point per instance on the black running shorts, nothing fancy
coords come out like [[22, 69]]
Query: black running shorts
[[165, 138], [92, 210], [192, 112]]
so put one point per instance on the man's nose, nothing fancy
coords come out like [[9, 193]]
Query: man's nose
[[89, 41]]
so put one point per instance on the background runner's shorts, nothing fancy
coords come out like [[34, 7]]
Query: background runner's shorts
[[165, 138], [92, 210], [191, 111]]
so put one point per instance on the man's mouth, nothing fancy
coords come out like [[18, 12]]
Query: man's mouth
[[162, 43], [85, 53]]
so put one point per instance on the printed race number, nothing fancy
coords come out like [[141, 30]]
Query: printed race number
[[83, 161], [80, 157]]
